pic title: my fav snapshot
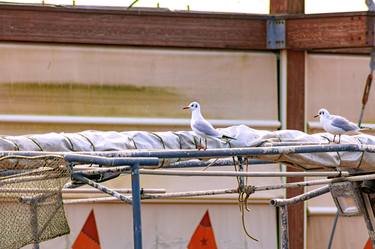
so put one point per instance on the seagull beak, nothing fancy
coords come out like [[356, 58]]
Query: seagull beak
[[186, 107], [317, 115]]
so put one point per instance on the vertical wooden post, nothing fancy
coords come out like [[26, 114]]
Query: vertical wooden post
[[295, 117]]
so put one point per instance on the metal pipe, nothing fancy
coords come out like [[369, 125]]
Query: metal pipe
[[222, 152], [217, 163], [90, 200], [136, 197], [284, 227], [114, 161], [331, 236], [315, 182], [102, 188], [120, 190], [299, 198], [95, 171], [245, 174], [191, 193]]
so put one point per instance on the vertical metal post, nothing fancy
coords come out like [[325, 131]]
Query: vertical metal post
[[136, 197], [284, 227], [34, 223]]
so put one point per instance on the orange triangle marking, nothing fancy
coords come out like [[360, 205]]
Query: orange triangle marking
[[203, 237], [368, 244], [88, 238]]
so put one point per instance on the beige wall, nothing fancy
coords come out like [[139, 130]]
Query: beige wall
[[150, 82], [171, 227], [336, 82], [132, 82]]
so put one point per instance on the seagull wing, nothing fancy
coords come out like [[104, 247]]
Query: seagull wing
[[344, 124], [205, 127]]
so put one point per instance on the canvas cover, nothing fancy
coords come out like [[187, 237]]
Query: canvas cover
[[244, 137]]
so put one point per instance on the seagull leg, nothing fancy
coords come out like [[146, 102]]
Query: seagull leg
[[339, 138], [334, 137], [200, 146], [205, 143]]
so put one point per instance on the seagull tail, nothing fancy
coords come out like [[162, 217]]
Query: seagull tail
[[225, 137]]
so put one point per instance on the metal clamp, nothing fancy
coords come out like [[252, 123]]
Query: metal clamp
[[276, 33]]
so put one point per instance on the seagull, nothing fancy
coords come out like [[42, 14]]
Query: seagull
[[336, 125], [201, 126]]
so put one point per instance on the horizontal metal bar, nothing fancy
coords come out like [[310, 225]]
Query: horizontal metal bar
[[97, 170], [299, 198], [315, 182], [248, 174], [121, 190], [211, 153], [44, 119], [114, 161], [190, 193], [212, 163], [90, 200]]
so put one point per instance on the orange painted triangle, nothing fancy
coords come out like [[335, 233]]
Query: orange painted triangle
[[368, 244], [203, 237], [88, 238]]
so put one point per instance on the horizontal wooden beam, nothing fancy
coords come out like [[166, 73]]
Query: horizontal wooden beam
[[118, 26], [163, 28], [323, 31]]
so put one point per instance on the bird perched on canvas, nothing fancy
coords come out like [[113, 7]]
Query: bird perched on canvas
[[335, 124], [201, 126]]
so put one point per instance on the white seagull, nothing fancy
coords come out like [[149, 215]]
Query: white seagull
[[336, 125], [201, 126]]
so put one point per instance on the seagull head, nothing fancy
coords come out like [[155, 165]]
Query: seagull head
[[322, 113], [193, 106]]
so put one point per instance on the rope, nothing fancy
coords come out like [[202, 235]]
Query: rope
[[88, 140], [366, 91], [164, 147], [69, 142]]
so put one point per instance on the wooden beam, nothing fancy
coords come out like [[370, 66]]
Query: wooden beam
[[118, 26], [296, 121], [287, 6], [163, 28], [295, 111], [344, 30]]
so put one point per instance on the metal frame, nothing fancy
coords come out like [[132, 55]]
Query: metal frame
[[134, 161]]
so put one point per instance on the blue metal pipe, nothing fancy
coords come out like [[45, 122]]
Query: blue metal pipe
[[136, 197], [112, 161]]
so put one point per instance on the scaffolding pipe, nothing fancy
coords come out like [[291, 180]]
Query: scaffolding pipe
[[244, 174], [299, 198], [103, 188], [191, 193], [284, 227], [315, 182], [120, 190], [91, 171], [114, 161], [213, 163], [213, 153]]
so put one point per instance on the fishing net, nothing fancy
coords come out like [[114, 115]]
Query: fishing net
[[31, 200]]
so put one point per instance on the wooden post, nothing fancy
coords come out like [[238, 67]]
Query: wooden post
[[295, 117]]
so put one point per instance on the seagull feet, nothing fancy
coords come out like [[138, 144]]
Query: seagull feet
[[201, 147]]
